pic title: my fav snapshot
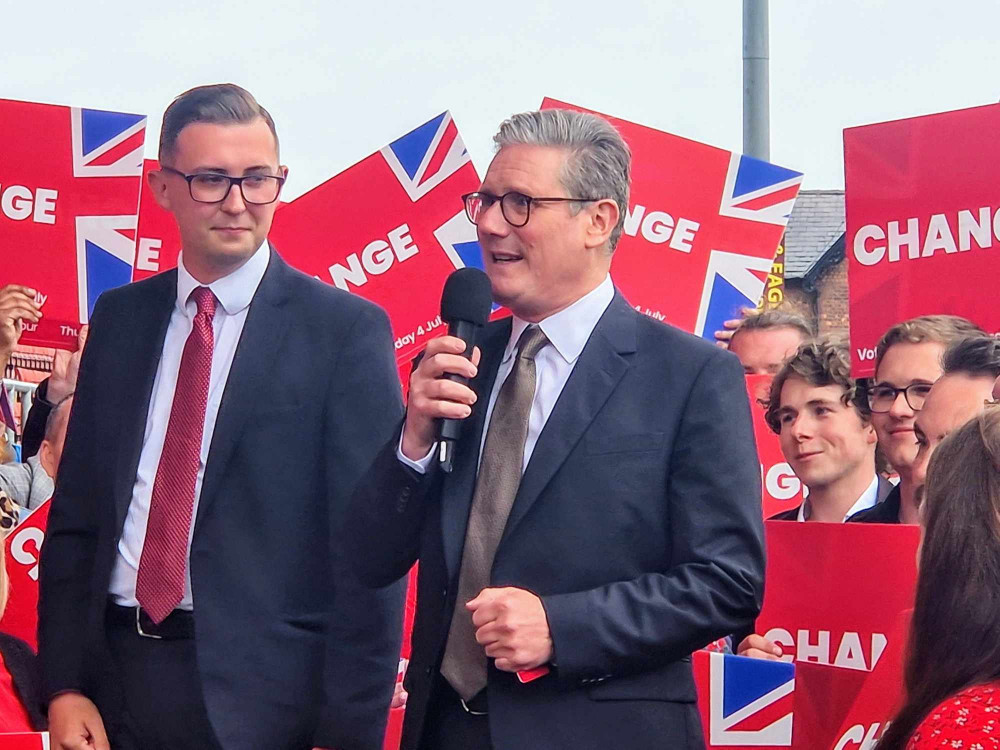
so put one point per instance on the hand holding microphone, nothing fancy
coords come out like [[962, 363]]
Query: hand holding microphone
[[439, 396]]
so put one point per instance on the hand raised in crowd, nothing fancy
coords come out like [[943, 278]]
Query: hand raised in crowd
[[512, 626], [65, 368], [17, 305], [758, 647], [76, 724], [729, 328], [399, 696], [432, 397]]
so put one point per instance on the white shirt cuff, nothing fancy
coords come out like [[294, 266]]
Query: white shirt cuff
[[419, 466]]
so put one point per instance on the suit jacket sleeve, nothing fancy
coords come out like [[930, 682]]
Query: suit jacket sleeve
[[362, 406], [714, 584], [71, 539]]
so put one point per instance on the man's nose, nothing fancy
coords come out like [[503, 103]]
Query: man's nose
[[233, 202]]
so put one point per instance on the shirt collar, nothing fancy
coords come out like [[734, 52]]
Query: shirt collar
[[868, 499], [569, 329], [235, 290]]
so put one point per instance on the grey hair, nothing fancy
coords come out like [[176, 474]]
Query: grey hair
[[599, 161]]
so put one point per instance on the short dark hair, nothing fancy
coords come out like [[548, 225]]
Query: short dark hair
[[819, 363], [978, 356], [939, 329], [776, 319], [218, 103]]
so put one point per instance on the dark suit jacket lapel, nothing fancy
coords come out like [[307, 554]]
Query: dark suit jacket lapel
[[142, 353], [259, 342], [602, 364], [457, 489]]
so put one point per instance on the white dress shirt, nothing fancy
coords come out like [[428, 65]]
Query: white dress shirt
[[868, 499], [568, 332], [234, 293]]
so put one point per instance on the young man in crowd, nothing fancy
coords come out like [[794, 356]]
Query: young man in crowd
[[971, 368], [907, 364], [824, 425], [764, 341]]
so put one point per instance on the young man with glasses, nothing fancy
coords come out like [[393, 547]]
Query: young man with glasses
[[194, 587], [602, 520], [907, 364]]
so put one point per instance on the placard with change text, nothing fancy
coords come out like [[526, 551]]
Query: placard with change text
[[69, 194], [702, 227], [923, 223]]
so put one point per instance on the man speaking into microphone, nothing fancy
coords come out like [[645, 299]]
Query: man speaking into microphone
[[602, 519]]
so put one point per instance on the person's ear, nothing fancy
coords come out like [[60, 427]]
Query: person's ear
[[604, 215], [158, 185]]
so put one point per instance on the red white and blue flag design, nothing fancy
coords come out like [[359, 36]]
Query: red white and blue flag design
[[702, 227], [71, 232], [404, 232], [751, 701]]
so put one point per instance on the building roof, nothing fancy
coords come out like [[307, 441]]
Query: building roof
[[816, 223]]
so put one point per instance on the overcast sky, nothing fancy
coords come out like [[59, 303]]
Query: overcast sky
[[343, 79]]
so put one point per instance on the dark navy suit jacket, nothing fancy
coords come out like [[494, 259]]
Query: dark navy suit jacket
[[637, 522], [293, 651]]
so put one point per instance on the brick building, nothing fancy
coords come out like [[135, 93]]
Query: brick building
[[815, 266]]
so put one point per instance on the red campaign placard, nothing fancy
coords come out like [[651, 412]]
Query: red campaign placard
[[745, 703], [923, 228], [158, 241], [781, 489], [24, 741], [847, 709], [834, 591], [23, 547], [391, 229], [69, 194], [702, 228]]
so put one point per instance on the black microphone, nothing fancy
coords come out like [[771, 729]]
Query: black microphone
[[465, 306]]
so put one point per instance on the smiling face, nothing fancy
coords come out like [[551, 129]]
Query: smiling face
[[822, 439], [953, 401], [904, 364], [217, 238], [558, 256]]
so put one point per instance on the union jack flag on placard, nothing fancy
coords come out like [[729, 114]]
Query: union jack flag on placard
[[83, 168], [427, 156], [750, 702], [701, 230]]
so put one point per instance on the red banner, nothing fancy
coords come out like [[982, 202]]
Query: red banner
[[23, 547], [835, 591], [923, 227], [701, 230], [158, 242], [24, 741], [69, 194], [781, 489], [391, 228]]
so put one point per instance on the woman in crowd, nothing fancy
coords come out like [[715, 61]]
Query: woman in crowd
[[953, 666], [20, 704]]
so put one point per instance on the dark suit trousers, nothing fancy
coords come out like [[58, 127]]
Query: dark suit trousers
[[163, 707], [448, 726]]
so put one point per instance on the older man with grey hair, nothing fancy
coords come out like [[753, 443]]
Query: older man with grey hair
[[603, 518]]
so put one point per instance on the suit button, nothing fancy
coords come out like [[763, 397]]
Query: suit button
[[427, 671], [444, 593]]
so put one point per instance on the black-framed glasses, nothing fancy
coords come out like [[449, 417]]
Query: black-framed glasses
[[882, 396], [212, 187], [515, 206]]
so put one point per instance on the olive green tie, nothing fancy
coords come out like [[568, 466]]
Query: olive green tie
[[464, 663]]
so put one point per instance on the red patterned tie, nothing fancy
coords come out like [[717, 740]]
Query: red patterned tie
[[160, 583]]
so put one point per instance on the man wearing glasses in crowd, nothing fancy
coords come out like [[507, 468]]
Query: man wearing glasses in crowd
[[907, 363], [194, 587], [602, 520]]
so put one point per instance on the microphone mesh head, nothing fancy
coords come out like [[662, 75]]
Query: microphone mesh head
[[467, 296]]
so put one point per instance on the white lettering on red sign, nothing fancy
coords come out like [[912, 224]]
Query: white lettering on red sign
[[18, 203], [913, 239], [658, 227], [375, 258]]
